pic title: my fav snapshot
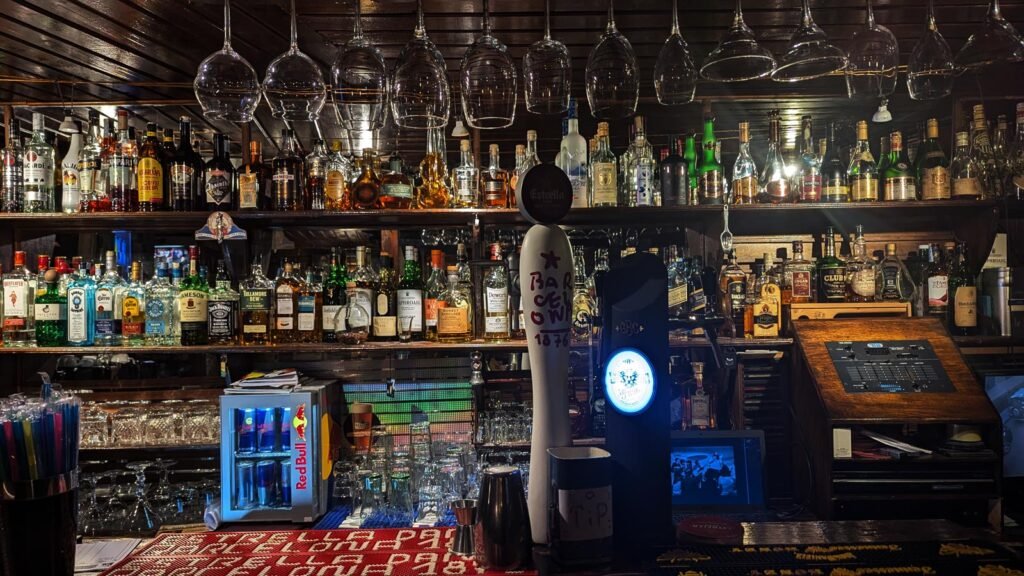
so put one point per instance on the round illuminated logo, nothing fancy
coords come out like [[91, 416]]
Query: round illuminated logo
[[629, 381]]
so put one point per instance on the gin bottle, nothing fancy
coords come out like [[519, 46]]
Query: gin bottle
[[161, 309], [81, 308], [110, 288], [19, 295]]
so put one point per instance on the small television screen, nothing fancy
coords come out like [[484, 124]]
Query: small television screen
[[1007, 395], [710, 472]]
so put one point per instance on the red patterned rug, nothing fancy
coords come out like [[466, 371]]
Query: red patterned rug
[[395, 552]]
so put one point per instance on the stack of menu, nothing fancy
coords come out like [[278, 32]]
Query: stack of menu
[[279, 381]]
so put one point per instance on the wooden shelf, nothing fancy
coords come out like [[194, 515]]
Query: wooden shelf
[[368, 347]]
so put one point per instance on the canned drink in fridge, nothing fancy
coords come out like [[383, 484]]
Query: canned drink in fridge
[[244, 485], [266, 483], [286, 484], [268, 429], [286, 429], [245, 430]]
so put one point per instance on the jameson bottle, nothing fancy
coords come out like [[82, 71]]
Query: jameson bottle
[[711, 178], [899, 177], [831, 272], [186, 171], [193, 299], [963, 296], [932, 166], [834, 187], [863, 173]]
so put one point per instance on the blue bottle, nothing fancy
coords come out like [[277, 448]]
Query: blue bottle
[[82, 309]]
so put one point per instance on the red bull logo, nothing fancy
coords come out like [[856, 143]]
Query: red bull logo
[[299, 421]]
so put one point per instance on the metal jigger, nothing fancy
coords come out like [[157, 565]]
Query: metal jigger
[[465, 518]]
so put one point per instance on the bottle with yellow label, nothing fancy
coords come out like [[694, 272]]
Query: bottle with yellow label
[[863, 172], [454, 311], [933, 166], [149, 173], [133, 309], [964, 171], [603, 172], [963, 295], [767, 306]]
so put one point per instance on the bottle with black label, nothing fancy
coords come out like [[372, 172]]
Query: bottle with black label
[[222, 309], [220, 176], [963, 295], [309, 309], [185, 170], [831, 272], [257, 306]]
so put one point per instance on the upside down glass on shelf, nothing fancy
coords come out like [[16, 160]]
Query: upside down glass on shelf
[[547, 72], [294, 85], [420, 95], [996, 41], [810, 54], [930, 71], [488, 81], [613, 83], [226, 85], [359, 80], [873, 59], [675, 75], [738, 57]]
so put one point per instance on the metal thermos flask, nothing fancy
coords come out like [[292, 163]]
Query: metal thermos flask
[[502, 532], [997, 283]]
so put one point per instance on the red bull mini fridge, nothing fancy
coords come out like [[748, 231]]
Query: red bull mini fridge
[[270, 455]]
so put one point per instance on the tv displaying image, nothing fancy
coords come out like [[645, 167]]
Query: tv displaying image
[[716, 473]]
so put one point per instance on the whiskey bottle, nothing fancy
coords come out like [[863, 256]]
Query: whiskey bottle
[[933, 167], [255, 183], [150, 173], [186, 171], [454, 311], [466, 179], [495, 300], [18, 320], [133, 309], [965, 171], [435, 287], [798, 278], [335, 298], [513, 176], [51, 313], [222, 309], [316, 176], [810, 166], [396, 189], [287, 175], [768, 304], [690, 157], [893, 282], [711, 185], [603, 171], [733, 289], [678, 283], [366, 188], [495, 181], [744, 171], [900, 183], [256, 304], [963, 295], [673, 180], [863, 173], [775, 185], [364, 291], [434, 192], [193, 300], [698, 402], [338, 170], [161, 308], [385, 304], [937, 274], [517, 324], [309, 309], [831, 272], [286, 295], [410, 294], [220, 176], [834, 186], [861, 271]]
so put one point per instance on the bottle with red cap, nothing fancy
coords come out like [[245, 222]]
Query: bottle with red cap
[[19, 299]]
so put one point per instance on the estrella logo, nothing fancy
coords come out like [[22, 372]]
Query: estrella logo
[[299, 421]]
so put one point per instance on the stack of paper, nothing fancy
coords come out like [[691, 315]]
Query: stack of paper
[[98, 555], [259, 382]]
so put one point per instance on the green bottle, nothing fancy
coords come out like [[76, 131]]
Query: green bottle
[[899, 177], [51, 313], [711, 183], [690, 157], [410, 296], [335, 298], [193, 301], [831, 272]]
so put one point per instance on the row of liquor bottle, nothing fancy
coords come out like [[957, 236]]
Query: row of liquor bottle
[[71, 305]]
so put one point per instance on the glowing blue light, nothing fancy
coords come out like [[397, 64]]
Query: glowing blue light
[[629, 381]]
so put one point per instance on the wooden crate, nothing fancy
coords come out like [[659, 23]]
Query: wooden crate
[[829, 311]]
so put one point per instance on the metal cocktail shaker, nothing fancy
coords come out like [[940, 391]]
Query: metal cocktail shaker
[[997, 283], [502, 530]]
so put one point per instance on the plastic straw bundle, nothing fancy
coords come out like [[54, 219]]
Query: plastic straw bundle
[[38, 437]]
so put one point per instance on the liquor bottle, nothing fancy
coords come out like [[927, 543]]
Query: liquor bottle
[[12, 193], [1014, 185], [366, 190], [861, 271], [256, 304], [124, 197], [900, 182], [513, 176], [565, 131], [466, 179], [623, 167], [767, 309], [495, 300], [316, 177], [965, 172], [287, 175], [697, 299], [711, 184], [933, 167], [937, 275], [161, 309], [810, 178], [462, 262], [798, 278], [108, 144], [744, 171], [434, 192], [176, 274], [186, 171], [37, 284], [690, 157], [286, 294], [334, 299], [254, 181], [133, 309], [89, 165], [573, 159], [698, 402], [642, 168], [775, 185], [495, 181], [435, 287], [1000, 154], [365, 289], [732, 286], [673, 179], [167, 150], [51, 313], [883, 161], [71, 191], [831, 272], [834, 176], [454, 311], [193, 301], [396, 188], [309, 309], [410, 294], [338, 172], [893, 282], [37, 170], [150, 173], [19, 295], [517, 325], [530, 158], [219, 176], [81, 309], [603, 171], [981, 151], [676, 273], [963, 296], [385, 305], [862, 174], [222, 309], [110, 288]]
